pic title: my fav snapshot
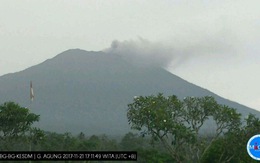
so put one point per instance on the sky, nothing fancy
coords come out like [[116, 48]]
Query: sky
[[211, 43]]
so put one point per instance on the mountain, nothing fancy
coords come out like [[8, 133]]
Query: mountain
[[81, 91]]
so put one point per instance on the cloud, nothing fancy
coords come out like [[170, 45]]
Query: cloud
[[143, 52]]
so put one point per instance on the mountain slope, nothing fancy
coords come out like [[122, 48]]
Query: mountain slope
[[89, 91]]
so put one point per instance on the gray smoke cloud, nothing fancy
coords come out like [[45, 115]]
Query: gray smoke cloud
[[146, 53], [143, 52]]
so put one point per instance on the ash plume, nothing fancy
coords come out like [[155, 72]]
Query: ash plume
[[143, 52]]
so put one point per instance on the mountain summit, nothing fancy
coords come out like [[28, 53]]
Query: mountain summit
[[81, 91]]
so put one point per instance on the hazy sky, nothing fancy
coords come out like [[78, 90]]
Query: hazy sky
[[212, 43]]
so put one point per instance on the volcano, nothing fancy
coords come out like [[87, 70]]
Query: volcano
[[85, 91]]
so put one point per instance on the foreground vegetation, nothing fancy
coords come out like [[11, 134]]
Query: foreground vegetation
[[170, 130], [178, 125]]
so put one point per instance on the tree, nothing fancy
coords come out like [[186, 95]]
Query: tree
[[162, 118], [232, 146], [15, 121], [147, 152], [35, 137], [131, 142], [177, 123]]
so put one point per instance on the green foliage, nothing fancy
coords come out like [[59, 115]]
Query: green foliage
[[230, 148], [15, 126], [169, 132], [153, 155], [177, 124], [198, 110], [131, 142], [15, 120], [226, 118], [147, 151], [252, 125]]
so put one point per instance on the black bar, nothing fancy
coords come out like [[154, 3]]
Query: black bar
[[69, 155]]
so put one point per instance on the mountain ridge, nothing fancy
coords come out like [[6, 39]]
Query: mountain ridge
[[88, 91]]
